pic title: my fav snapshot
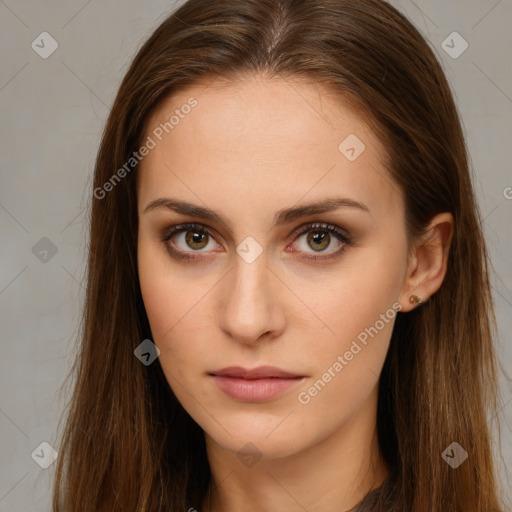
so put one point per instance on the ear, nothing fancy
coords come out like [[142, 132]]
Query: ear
[[428, 261]]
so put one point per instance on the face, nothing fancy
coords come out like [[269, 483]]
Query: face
[[247, 277]]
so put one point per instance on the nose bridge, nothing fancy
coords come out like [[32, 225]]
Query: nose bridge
[[250, 309]]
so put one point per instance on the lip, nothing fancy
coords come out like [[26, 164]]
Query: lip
[[255, 373], [257, 384]]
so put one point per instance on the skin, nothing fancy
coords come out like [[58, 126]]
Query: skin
[[247, 150]]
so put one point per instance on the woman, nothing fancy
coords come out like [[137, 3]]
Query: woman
[[288, 305]]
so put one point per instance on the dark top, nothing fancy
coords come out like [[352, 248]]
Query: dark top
[[380, 495]]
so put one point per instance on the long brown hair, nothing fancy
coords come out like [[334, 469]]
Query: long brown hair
[[128, 445]]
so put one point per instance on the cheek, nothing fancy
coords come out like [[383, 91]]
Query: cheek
[[358, 310], [347, 365], [165, 294], [157, 294], [354, 300], [174, 304]]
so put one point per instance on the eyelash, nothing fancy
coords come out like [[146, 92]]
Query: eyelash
[[319, 226]]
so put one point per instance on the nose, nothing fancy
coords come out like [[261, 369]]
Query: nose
[[250, 309]]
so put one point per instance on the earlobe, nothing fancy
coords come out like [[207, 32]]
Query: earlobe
[[414, 299], [430, 261]]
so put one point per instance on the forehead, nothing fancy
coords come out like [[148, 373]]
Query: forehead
[[292, 109], [263, 137]]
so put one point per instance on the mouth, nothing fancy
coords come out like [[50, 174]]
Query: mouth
[[255, 385]]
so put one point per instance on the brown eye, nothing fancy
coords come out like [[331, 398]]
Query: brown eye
[[318, 240], [187, 241], [195, 239]]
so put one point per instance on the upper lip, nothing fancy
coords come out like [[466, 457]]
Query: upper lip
[[255, 373]]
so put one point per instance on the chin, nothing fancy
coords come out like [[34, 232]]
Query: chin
[[260, 447], [261, 439]]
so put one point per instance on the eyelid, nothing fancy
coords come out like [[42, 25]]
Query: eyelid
[[190, 256], [187, 226], [309, 226]]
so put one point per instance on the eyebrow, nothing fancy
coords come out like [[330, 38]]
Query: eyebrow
[[283, 216]]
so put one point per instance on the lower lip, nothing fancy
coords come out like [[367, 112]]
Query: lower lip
[[255, 390]]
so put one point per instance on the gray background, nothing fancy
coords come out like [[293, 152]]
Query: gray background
[[53, 113]]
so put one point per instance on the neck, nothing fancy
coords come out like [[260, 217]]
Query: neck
[[330, 475]]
